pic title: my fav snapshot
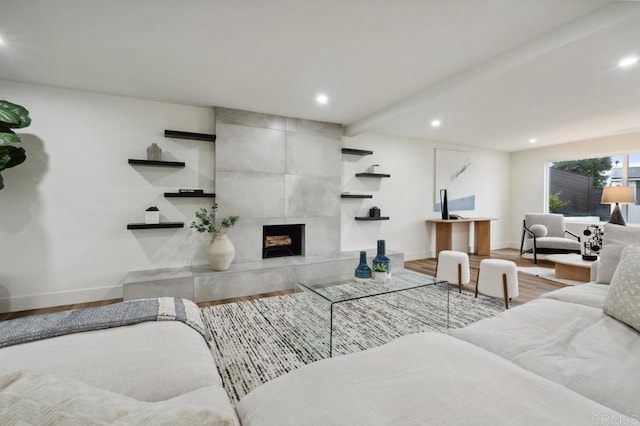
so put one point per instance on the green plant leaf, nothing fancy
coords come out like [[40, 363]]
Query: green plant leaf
[[206, 221], [4, 159], [1, 182], [15, 116], [379, 267], [17, 156], [8, 137]]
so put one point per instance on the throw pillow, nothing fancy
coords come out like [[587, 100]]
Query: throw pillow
[[33, 398], [623, 298], [539, 230], [614, 239]]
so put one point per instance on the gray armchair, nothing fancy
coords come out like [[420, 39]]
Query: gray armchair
[[546, 233]]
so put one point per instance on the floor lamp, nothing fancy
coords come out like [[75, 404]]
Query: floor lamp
[[616, 195]]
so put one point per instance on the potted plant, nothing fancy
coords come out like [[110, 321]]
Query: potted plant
[[221, 251], [12, 116], [379, 272], [152, 215]]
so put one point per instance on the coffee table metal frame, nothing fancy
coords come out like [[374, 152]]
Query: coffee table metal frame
[[341, 289]]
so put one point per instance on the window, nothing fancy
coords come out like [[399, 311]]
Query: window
[[575, 187], [629, 175]]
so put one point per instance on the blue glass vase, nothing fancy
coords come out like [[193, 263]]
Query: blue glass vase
[[363, 272], [381, 263]]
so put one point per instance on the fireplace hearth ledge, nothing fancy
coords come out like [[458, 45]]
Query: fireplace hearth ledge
[[200, 284]]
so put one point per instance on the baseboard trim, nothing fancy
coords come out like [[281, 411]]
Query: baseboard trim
[[417, 255], [512, 245], [45, 300], [504, 245], [428, 254]]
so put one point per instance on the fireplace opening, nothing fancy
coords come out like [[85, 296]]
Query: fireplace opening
[[282, 240]]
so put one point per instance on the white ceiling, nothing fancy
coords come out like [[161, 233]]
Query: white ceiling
[[496, 72]]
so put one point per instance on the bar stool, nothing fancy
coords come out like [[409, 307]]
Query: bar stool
[[453, 266], [498, 278]]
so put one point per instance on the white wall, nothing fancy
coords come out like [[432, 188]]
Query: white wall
[[528, 172], [63, 213], [408, 196]]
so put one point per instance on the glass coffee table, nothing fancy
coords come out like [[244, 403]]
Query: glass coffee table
[[331, 303]]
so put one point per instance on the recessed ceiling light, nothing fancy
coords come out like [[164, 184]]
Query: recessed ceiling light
[[628, 61], [1, 41], [533, 140], [435, 123], [322, 98]]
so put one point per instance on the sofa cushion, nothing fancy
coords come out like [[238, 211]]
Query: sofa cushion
[[554, 222], [572, 344], [151, 361], [614, 239], [590, 294], [424, 378], [557, 243], [539, 230], [28, 397], [623, 300]]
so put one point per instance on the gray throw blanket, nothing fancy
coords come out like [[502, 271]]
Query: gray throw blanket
[[32, 328]]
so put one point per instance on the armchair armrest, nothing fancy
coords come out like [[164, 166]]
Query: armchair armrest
[[528, 231], [566, 231], [594, 270]]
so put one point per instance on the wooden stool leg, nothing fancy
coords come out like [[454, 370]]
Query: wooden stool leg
[[506, 291], [460, 277], [477, 281]]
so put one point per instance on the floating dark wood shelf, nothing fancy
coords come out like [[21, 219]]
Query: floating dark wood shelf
[[189, 195], [356, 151], [189, 135], [156, 163], [373, 175], [356, 196], [155, 225], [372, 218]]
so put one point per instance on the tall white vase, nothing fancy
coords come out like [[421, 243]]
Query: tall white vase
[[221, 252]]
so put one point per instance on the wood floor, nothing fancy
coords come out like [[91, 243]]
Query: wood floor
[[530, 286]]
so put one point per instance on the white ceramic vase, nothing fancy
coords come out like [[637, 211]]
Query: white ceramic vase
[[379, 277], [221, 252], [152, 217]]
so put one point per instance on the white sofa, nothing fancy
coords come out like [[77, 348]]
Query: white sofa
[[555, 360], [549, 361], [166, 363]]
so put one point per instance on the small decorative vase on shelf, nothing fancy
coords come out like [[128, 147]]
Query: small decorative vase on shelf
[[152, 217], [363, 272], [154, 152], [221, 252], [381, 263]]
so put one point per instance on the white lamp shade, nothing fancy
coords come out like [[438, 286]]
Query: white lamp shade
[[618, 194]]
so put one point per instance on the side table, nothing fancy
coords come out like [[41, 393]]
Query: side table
[[571, 267]]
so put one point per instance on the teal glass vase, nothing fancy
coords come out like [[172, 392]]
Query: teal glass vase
[[363, 272], [381, 263]]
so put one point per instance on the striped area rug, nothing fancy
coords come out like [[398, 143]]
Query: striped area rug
[[258, 340]]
